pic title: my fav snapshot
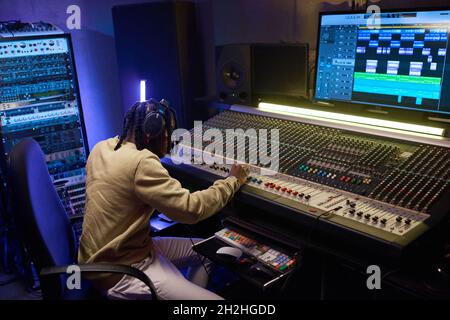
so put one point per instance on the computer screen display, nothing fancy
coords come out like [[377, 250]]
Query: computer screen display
[[280, 69], [401, 61]]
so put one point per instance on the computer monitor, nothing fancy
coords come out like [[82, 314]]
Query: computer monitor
[[399, 61], [280, 70]]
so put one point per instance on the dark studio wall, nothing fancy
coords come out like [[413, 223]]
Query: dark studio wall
[[219, 22]]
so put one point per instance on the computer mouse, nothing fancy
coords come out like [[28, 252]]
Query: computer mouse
[[229, 252]]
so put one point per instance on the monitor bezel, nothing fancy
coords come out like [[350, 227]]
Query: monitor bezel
[[68, 37], [375, 110]]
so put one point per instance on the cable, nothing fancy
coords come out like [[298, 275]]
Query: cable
[[313, 227], [297, 267], [390, 272], [286, 281], [12, 23], [201, 257], [5, 27], [383, 277], [308, 241]]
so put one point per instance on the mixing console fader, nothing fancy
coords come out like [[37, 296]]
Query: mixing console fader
[[39, 99], [389, 190]]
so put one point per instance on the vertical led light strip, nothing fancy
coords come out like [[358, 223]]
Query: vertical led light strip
[[270, 107], [143, 93]]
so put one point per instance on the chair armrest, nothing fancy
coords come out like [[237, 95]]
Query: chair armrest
[[105, 268]]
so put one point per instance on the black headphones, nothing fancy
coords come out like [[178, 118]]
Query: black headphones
[[164, 117]]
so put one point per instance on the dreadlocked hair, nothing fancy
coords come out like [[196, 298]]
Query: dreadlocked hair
[[139, 117], [128, 123], [133, 126]]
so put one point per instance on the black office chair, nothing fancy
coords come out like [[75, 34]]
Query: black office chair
[[45, 229]]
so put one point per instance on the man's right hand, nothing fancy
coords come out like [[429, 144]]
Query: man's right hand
[[240, 171]]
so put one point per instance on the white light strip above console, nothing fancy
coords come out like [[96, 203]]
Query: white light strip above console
[[325, 115]]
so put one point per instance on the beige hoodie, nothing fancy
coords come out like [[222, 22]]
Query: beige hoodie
[[123, 188]]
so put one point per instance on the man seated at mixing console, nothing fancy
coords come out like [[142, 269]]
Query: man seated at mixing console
[[125, 184]]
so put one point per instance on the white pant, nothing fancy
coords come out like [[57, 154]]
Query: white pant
[[170, 255]]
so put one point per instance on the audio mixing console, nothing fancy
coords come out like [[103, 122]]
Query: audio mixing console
[[39, 98], [385, 189]]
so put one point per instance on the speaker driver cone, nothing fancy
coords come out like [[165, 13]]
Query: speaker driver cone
[[232, 75]]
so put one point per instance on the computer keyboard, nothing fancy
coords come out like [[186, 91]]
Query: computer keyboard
[[273, 258]]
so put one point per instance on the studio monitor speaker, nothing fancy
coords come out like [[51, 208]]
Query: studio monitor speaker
[[233, 73], [249, 73]]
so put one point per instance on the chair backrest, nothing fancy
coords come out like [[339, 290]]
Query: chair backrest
[[39, 215]]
